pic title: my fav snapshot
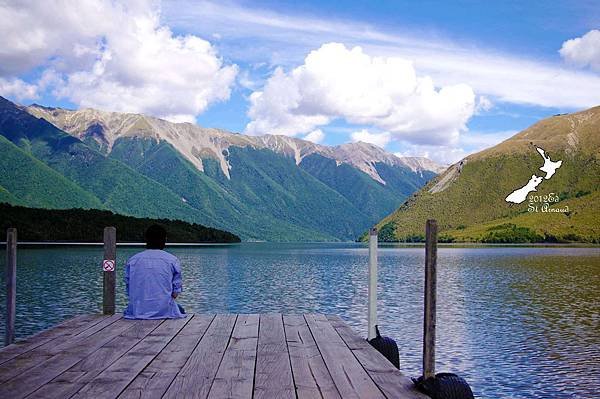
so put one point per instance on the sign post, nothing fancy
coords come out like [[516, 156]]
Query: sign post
[[372, 320], [429, 318], [108, 270], [11, 284]]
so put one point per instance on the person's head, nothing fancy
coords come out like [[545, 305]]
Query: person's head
[[156, 237]]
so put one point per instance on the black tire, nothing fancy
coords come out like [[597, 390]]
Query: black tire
[[446, 386], [387, 347]]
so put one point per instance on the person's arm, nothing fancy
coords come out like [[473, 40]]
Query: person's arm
[[127, 279], [177, 286]]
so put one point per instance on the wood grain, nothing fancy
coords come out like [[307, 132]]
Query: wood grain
[[311, 377], [235, 376], [109, 278], [71, 353], [273, 378], [76, 377], [430, 299], [202, 356], [114, 379], [11, 284], [389, 379], [41, 353], [196, 376], [349, 376], [45, 336], [154, 380]]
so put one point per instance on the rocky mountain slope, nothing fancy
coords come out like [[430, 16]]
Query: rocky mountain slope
[[103, 129], [261, 188], [468, 199]]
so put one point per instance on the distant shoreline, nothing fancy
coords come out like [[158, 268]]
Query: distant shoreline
[[120, 244], [381, 244]]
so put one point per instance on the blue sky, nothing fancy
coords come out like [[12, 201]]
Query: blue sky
[[440, 79]]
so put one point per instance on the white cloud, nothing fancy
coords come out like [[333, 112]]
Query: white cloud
[[379, 139], [477, 141], [468, 143], [583, 51], [113, 56], [441, 155], [284, 39], [316, 136], [337, 82], [18, 89], [483, 104]]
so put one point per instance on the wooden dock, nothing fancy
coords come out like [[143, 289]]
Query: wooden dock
[[202, 356]]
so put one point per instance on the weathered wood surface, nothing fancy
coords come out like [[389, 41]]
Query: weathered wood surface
[[430, 299], [273, 377], [109, 278], [201, 356], [310, 373], [11, 284], [235, 376], [388, 378]]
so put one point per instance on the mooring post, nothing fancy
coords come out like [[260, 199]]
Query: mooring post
[[430, 299], [11, 284], [109, 267], [372, 282]]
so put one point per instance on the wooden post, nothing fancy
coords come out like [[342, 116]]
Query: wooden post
[[110, 254], [430, 299], [11, 284], [372, 321]]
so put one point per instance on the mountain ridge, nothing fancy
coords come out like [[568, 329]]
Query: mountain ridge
[[262, 188], [193, 140], [468, 199]]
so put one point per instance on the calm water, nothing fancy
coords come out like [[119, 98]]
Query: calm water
[[515, 322]]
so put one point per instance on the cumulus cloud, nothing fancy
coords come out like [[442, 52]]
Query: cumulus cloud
[[316, 136], [113, 56], [18, 89], [285, 38], [583, 51], [379, 139], [385, 92]]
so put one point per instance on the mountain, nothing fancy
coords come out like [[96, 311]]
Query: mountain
[[106, 182], [468, 199], [35, 224], [26, 180], [260, 187]]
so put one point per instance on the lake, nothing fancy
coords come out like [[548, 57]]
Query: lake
[[516, 322]]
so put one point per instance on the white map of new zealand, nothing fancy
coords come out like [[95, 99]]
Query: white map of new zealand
[[549, 167]]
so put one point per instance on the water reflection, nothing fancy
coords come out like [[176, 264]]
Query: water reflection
[[516, 322]]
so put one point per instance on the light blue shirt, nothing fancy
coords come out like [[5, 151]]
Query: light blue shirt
[[151, 277]]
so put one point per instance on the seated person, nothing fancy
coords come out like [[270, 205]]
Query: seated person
[[153, 280]]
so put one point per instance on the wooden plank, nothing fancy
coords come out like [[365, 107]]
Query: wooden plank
[[159, 374], [310, 374], [32, 358], [72, 380], [109, 277], [113, 380], [235, 376], [11, 284], [387, 377], [273, 378], [196, 376], [42, 337], [350, 378], [67, 355]]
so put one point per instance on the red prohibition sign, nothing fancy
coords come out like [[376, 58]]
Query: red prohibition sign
[[108, 265]]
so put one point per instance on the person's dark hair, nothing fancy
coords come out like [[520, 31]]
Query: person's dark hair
[[156, 237]]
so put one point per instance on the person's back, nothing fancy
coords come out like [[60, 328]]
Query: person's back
[[153, 280]]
